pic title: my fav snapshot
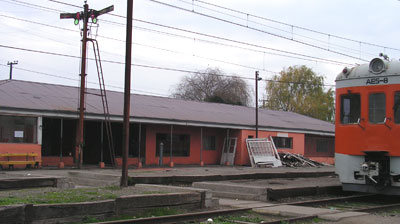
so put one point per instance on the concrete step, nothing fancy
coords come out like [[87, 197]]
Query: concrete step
[[239, 196], [231, 187], [93, 179], [92, 182]]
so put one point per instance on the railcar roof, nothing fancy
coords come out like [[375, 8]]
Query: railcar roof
[[363, 71], [57, 100]]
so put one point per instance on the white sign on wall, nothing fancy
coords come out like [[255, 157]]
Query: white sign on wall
[[18, 134]]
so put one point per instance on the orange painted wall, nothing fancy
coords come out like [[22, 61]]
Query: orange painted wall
[[242, 156], [21, 148], [353, 139], [209, 156], [55, 160], [131, 161], [328, 160]]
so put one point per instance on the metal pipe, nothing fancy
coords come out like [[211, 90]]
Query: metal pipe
[[140, 140], [102, 141], [170, 149], [201, 144], [257, 79], [61, 138]]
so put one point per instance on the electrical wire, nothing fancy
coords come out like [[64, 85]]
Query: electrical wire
[[298, 56], [298, 27], [258, 30], [72, 79], [145, 66], [347, 49]]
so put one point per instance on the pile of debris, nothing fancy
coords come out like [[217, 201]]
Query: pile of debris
[[297, 160]]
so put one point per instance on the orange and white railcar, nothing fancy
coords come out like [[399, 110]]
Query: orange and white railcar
[[367, 134]]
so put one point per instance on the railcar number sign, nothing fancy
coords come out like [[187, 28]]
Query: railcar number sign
[[375, 81]]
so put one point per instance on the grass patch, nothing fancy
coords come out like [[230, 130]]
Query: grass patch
[[56, 196], [249, 217]]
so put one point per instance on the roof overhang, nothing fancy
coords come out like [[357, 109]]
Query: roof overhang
[[75, 115]]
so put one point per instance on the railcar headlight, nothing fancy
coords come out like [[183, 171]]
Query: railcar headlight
[[377, 66]]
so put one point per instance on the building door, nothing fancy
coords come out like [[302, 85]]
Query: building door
[[229, 151]]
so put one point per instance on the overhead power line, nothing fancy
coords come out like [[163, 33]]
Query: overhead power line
[[72, 79], [143, 66], [297, 27], [303, 57], [297, 55], [292, 33], [258, 30]]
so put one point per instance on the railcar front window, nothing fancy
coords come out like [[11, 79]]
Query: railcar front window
[[396, 108], [377, 108], [350, 109]]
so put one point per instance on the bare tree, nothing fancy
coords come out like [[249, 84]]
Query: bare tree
[[212, 85]]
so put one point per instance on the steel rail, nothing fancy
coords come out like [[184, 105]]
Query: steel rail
[[330, 200], [180, 217], [209, 214]]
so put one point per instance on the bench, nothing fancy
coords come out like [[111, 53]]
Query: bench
[[10, 160]]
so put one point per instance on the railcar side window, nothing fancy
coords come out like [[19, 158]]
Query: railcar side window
[[377, 108], [350, 108], [396, 107]]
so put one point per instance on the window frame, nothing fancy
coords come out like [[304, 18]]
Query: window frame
[[167, 144], [213, 142], [384, 108], [278, 146], [25, 126], [342, 116], [322, 142], [396, 121]]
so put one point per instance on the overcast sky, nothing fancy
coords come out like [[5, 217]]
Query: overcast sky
[[236, 36]]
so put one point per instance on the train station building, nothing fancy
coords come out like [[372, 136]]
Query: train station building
[[43, 118]]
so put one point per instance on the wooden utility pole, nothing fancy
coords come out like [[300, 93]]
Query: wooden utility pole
[[257, 79], [127, 94], [11, 67], [85, 15]]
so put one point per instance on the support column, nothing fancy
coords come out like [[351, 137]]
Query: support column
[[140, 141], [171, 163], [101, 163], [201, 147], [227, 146], [39, 130], [61, 163]]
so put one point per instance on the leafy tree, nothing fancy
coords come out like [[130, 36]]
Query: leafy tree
[[212, 86], [300, 90]]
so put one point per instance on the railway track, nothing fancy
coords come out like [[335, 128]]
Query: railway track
[[357, 203]]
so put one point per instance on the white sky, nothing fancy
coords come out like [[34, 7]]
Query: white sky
[[369, 21]]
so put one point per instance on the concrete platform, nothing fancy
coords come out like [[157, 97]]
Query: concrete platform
[[272, 189], [341, 215], [181, 174], [243, 204]]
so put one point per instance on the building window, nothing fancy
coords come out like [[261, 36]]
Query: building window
[[396, 107], [377, 108], [322, 145], [283, 142], [180, 144], [209, 143], [15, 129], [350, 109]]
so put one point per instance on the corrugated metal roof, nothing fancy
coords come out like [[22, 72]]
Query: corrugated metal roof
[[24, 95]]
